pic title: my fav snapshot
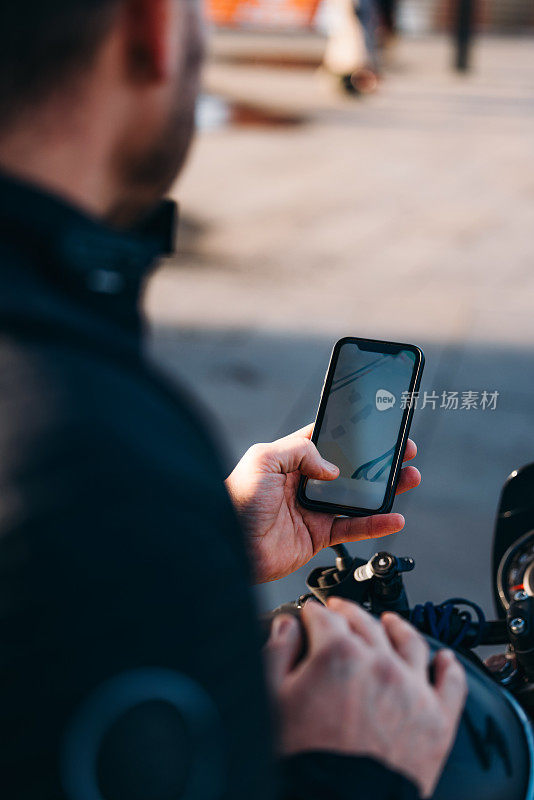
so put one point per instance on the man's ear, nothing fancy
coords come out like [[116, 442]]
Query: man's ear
[[152, 39]]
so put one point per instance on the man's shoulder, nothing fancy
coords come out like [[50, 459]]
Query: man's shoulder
[[50, 390]]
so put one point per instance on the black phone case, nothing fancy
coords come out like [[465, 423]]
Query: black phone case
[[351, 511]]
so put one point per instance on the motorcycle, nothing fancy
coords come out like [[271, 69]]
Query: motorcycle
[[493, 755]]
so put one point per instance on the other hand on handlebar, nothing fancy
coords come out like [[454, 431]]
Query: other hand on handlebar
[[363, 688]]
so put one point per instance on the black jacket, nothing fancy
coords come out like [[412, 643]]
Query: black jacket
[[129, 655]]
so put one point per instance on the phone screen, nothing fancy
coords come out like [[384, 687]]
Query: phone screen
[[361, 421]]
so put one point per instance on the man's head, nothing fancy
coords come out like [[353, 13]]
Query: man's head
[[97, 97]]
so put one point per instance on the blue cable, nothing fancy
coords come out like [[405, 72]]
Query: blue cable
[[438, 618]]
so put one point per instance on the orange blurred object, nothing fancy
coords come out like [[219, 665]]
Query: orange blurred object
[[263, 14]]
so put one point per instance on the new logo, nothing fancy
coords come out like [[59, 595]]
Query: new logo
[[384, 400]]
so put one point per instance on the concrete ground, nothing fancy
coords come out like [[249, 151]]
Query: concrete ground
[[407, 215]]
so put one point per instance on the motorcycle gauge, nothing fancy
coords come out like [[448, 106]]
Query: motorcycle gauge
[[516, 570]]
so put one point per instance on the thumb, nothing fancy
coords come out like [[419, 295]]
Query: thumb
[[282, 649]]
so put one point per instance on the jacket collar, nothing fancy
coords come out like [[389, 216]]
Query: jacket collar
[[100, 267]]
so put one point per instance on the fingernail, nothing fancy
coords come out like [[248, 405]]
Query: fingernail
[[330, 467]]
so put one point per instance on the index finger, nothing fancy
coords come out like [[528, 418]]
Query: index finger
[[306, 431], [322, 626], [361, 622]]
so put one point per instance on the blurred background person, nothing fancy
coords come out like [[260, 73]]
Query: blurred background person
[[351, 50]]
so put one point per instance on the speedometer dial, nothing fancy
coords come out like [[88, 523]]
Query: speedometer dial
[[516, 570]]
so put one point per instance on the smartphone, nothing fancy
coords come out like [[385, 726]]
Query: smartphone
[[362, 425]]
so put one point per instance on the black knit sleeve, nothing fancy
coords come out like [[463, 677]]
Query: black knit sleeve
[[329, 776]]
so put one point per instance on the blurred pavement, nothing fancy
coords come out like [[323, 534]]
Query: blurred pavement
[[408, 215]]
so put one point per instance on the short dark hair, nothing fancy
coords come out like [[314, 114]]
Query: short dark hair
[[44, 43]]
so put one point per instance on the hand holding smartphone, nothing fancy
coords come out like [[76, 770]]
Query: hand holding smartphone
[[362, 425]]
